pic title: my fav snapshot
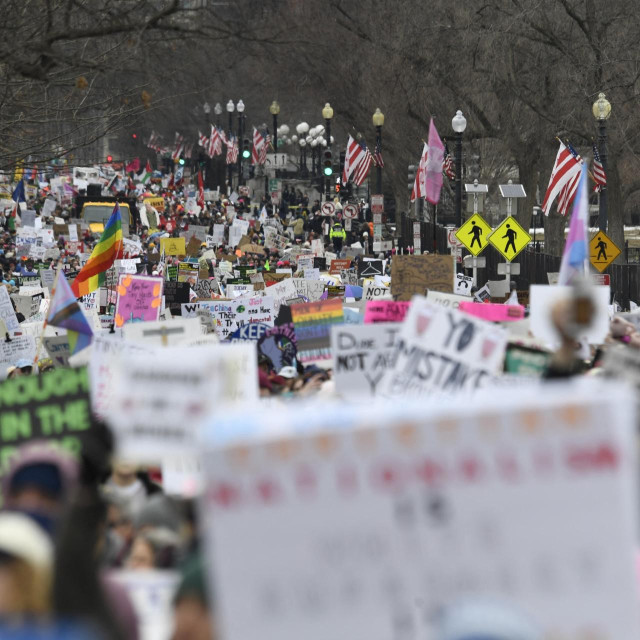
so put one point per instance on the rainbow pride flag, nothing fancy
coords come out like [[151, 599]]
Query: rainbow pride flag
[[92, 275]]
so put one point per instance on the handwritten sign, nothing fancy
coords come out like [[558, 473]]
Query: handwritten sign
[[139, 299], [377, 518], [444, 351], [361, 355], [375, 292], [385, 311], [413, 275], [493, 312], [7, 314]]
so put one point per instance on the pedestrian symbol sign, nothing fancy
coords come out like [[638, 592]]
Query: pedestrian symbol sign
[[602, 251], [509, 238], [473, 234]]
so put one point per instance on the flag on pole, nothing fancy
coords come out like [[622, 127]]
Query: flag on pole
[[435, 161], [232, 150], [448, 169], [599, 174], [568, 193], [133, 166], [564, 172], [377, 154], [364, 166], [145, 176], [178, 147], [203, 141], [419, 188], [65, 312], [575, 257], [18, 192], [352, 159], [214, 147], [104, 254], [200, 200], [259, 151]]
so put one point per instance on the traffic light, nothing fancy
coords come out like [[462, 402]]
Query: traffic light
[[411, 176], [134, 136], [343, 156], [338, 184], [181, 161], [109, 158], [327, 163], [246, 149]]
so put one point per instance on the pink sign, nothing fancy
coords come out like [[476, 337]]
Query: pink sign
[[385, 311], [493, 312], [139, 299]]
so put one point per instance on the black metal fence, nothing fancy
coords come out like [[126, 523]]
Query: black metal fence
[[534, 266]]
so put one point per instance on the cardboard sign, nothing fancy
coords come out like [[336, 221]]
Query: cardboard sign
[[378, 518], [139, 299], [444, 351], [413, 275], [312, 322], [52, 406], [374, 292], [361, 355], [193, 248], [385, 311], [173, 246], [156, 416]]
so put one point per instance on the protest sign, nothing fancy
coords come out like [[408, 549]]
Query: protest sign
[[280, 292], [361, 355], [311, 290], [171, 272], [193, 247], [58, 349], [160, 398], [544, 297], [463, 284], [139, 299], [127, 266], [182, 476], [493, 312], [175, 294], [385, 311], [444, 351], [411, 275], [207, 288], [449, 300], [188, 272], [370, 268], [376, 519], [28, 305], [336, 291], [18, 348], [305, 262], [37, 252], [280, 346], [52, 406], [163, 334], [312, 322], [173, 246], [339, 265], [250, 332], [218, 234], [236, 290], [199, 232], [7, 314], [374, 292]]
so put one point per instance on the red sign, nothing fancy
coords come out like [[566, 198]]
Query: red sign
[[377, 204], [601, 278]]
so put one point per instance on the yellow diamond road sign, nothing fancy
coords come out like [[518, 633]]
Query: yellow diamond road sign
[[602, 251], [509, 238], [474, 233]]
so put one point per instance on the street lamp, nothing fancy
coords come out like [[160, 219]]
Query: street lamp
[[327, 114], [378, 121], [218, 111], [230, 109], [459, 124], [241, 117], [274, 109], [206, 107], [601, 112]]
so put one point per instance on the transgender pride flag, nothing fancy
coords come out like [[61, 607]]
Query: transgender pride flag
[[575, 259]]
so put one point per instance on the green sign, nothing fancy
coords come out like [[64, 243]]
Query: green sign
[[53, 406], [274, 185], [172, 273]]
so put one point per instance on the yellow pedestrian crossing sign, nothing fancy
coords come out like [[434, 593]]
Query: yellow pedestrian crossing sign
[[509, 238], [602, 251], [474, 233]]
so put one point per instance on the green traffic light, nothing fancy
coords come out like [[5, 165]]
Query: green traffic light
[[181, 161], [246, 154], [328, 171]]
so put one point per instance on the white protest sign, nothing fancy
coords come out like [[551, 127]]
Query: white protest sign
[[280, 292], [7, 314], [49, 207], [375, 292], [161, 398], [448, 300], [127, 266], [312, 274], [312, 290], [462, 284], [58, 349], [182, 476], [28, 305], [542, 299], [73, 233], [235, 234], [305, 262], [19, 348], [237, 290], [377, 517], [443, 351], [37, 252], [243, 225], [151, 593], [161, 333], [361, 355], [218, 234]]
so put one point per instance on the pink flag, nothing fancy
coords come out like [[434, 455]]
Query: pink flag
[[434, 165]]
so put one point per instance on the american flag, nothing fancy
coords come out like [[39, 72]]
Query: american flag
[[178, 146], [154, 141], [419, 187], [362, 170], [259, 152], [214, 146], [232, 150], [355, 153], [377, 154], [447, 167], [568, 194], [564, 173], [599, 174], [203, 141], [188, 150]]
